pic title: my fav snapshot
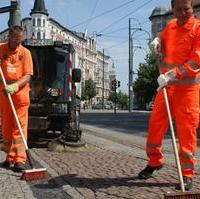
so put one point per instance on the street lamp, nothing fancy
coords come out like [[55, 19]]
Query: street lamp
[[130, 90], [134, 73], [131, 57]]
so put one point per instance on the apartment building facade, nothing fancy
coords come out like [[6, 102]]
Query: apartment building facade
[[39, 26]]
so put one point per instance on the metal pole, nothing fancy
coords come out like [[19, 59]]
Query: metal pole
[[15, 14], [129, 88], [103, 80], [115, 108], [130, 68]]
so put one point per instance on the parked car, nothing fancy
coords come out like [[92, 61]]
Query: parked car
[[106, 106]]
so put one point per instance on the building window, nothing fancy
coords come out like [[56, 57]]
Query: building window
[[33, 22], [44, 35], [44, 23], [39, 22], [38, 35]]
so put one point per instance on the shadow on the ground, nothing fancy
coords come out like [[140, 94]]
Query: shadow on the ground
[[41, 139], [99, 183]]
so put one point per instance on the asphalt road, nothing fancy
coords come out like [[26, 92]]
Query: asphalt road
[[130, 123], [124, 124]]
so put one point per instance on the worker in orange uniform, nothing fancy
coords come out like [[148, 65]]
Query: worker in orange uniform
[[179, 43], [16, 63]]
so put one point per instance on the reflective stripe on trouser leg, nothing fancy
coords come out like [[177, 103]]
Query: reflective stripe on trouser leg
[[187, 120], [6, 118], [22, 112], [158, 125]]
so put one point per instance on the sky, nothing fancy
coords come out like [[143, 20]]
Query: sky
[[106, 18]]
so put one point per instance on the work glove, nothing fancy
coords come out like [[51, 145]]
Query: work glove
[[155, 45], [164, 79], [11, 88]]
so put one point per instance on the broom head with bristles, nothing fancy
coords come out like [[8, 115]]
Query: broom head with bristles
[[34, 174], [183, 195]]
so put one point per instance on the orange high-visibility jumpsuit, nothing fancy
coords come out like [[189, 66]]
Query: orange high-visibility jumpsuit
[[15, 65], [181, 53]]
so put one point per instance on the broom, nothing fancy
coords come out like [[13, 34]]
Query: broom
[[183, 195], [31, 174]]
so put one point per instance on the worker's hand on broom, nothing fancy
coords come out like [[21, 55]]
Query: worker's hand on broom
[[164, 79], [11, 88]]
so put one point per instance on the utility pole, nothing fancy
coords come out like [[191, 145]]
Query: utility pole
[[115, 90], [103, 79], [130, 82], [15, 14]]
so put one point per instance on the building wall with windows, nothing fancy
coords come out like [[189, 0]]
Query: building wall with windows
[[102, 78], [40, 27]]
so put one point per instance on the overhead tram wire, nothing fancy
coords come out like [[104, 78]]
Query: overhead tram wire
[[135, 10], [108, 33], [113, 36], [123, 42], [93, 10], [116, 30], [115, 45], [104, 13]]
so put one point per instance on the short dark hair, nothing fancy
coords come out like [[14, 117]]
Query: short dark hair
[[173, 2], [15, 28]]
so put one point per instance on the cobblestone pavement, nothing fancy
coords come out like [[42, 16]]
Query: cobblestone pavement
[[108, 170], [11, 185], [105, 169], [14, 188]]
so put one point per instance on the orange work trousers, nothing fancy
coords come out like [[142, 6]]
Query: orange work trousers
[[13, 143], [184, 107]]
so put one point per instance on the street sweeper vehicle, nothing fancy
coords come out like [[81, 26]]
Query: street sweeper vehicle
[[55, 103]]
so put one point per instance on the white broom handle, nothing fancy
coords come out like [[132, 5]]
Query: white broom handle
[[174, 140], [14, 111]]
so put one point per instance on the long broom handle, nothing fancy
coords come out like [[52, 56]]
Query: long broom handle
[[174, 141], [14, 111]]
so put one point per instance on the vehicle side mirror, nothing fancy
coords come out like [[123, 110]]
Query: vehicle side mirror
[[76, 75]]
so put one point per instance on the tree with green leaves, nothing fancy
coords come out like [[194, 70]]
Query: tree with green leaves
[[121, 99], [145, 85], [89, 90]]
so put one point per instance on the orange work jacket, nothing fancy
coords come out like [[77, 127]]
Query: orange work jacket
[[16, 64], [181, 51]]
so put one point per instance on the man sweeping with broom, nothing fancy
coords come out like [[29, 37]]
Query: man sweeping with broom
[[179, 44], [17, 67]]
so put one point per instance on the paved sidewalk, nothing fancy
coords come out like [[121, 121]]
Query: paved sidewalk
[[104, 169], [108, 170], [11, 185]]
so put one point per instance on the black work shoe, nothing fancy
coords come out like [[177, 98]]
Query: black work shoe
[[5, 164], [19, 167], [187, 183], [148, 171]]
